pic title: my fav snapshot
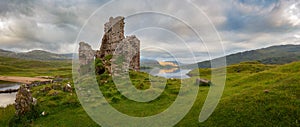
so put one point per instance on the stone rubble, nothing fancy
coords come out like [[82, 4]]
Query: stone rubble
[[24, 101]]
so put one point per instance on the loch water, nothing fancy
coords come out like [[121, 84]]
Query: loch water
[[7, 98], [168, 73]]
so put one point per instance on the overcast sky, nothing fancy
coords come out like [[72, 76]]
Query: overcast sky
[[170, 30]]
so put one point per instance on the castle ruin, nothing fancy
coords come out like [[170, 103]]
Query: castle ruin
[[114, 42]]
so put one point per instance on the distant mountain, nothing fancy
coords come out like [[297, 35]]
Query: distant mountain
[[177, 63], [35, 55], [281, 54], [145, 62], [168, 63]]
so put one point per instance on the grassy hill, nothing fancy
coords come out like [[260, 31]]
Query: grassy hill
[[245, 101], [35, 55], [21, 67], [281, 54]]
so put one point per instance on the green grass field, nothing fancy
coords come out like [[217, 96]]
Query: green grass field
[[244, 101], [30, 68]]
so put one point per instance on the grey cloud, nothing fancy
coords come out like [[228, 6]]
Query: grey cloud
[[54, 24], [45, 24], [260, 17]]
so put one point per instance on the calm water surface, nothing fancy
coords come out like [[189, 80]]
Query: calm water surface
[[7, 98], [169, 73]]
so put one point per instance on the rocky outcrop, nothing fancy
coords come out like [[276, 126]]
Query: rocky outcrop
[[24, 101], [37, 83]]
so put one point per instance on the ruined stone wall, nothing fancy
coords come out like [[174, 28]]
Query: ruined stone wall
[[86, 53], [114, 39], [129, 46], [113, 35], [86, 57]]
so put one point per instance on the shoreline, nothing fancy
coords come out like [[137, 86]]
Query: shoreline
[[10, 81], [24, 80]]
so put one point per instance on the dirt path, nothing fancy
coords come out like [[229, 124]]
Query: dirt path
[[25, 80]]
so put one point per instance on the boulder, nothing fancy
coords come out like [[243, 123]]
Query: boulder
[[67, 88], [34, 101], [46, 89], [202, 82], [266, 91], [56, 86]]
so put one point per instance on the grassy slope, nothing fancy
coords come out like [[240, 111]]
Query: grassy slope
[[20, 67], [244, 102]]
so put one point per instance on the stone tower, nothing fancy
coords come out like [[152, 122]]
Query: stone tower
[[114, 39], [113, 35]]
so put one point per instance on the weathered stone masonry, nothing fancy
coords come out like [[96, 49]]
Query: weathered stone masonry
[[114, 41]]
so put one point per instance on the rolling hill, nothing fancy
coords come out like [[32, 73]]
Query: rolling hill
[[30, 68], [255, 95], [35, 55], [281, 54]]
